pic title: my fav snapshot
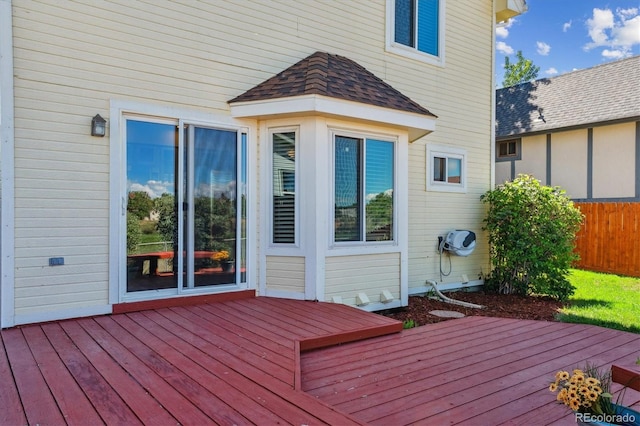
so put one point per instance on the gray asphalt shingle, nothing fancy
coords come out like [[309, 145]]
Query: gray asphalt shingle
[[607, 92]]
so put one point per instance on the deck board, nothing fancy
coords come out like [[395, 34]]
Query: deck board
[[72, 401], [200, 367], [472, 370], [244, 362], [12, 412], [41, 407], [94, 371]]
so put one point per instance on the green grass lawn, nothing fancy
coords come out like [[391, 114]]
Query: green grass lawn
[[603, 299]]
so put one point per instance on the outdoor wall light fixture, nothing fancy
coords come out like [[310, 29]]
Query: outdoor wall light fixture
[[98, 126]]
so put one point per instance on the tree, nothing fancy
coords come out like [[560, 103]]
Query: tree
[[167, 225], [522, 71], [140, 204], [134, 234], [379, 212], [532, 232]]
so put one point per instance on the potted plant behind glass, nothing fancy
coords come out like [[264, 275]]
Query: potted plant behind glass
[[588, 393], [223, 259]]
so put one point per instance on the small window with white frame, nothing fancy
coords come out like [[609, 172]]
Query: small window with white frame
[[415, 28], [284, 209], [446, 169]]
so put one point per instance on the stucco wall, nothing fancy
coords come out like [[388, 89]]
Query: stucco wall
[[614, 161], [608, 172], [534, 157]]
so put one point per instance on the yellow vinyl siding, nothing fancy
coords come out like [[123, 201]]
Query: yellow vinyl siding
[[197, 56], [346, 276], [460, 95], [285, 273]]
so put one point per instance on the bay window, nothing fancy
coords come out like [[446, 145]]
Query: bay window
[[364, 183]]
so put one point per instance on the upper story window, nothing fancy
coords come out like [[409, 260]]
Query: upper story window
[[446, 169], [415, 29], [364, 186], [508, 150]]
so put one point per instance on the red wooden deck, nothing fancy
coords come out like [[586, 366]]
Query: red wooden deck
[[474, 370], [239, 362], [231, 362]]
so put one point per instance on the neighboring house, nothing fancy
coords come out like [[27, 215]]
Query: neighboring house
[[579, 131], [305, 149]]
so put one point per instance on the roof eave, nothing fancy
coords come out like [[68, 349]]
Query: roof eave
[[417, 125], [519, 133]]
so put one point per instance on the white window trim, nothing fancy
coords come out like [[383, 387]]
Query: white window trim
[[269, 227], [119, 111], [7, 168], [411, 52], [446, 152], [333, 244]]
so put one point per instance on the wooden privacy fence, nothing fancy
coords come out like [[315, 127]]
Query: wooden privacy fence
[[609, 239]]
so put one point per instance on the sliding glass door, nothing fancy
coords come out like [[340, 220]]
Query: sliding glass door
[[185, 206]]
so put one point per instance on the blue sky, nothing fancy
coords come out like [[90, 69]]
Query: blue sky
[[561, 36]]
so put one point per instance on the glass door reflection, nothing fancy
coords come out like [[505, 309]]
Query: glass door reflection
[[197, 244]]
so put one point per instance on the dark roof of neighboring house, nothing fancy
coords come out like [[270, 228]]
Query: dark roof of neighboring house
[[604, 93], [333, 76]]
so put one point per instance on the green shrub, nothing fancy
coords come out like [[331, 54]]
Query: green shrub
[[409, 323], [532, 232], [148, 227], [134, 234]]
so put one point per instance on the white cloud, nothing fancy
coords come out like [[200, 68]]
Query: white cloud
[[627, 34], [543, 48], [566, 26], [551, 71], [627, 13], [504, 48], [502, 29], [502, 32], [617, 33], [152, 187], [613, 54], [598, 25]]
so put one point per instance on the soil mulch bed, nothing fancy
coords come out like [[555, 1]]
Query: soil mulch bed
[[496, 305]]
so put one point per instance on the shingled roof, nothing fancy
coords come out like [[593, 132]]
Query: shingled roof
[[606, 93], [333, 76]]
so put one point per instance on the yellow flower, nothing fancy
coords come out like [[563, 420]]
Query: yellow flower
[[563, 375], [584, 390], [221, 255], [578, 372], [587, 404], [553, 387], [561, 395], [592, 395], [597, 389], [592, 381], [574, 404]]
